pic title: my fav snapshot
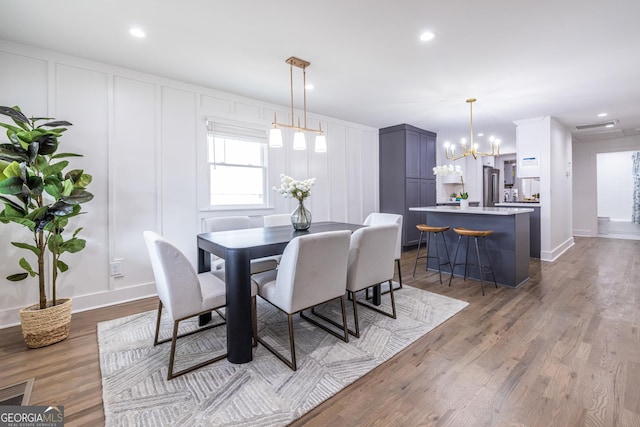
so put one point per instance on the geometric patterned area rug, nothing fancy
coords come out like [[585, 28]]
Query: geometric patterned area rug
[[264, 392]]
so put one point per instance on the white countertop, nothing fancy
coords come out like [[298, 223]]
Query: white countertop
[[519, 204], [472, 210]]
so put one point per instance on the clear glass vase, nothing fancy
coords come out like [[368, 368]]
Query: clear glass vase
[[301, 217]]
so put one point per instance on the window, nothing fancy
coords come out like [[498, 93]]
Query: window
[[237, 166]]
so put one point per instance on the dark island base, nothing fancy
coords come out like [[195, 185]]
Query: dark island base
[[508, 246]]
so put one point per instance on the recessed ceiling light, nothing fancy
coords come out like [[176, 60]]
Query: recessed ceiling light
[[481, 134], [426, 36], [309, 86], [602, 115], [137, 32]]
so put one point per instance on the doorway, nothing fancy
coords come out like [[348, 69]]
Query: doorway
[[615, 195]]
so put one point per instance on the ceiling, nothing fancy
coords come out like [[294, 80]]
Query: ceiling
[[570, 59]]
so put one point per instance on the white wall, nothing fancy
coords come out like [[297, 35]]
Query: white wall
[[585, 187], [554, 154], [557, 185], [141, 136]]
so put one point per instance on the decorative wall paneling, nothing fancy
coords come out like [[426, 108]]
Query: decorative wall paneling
[[142, 137]]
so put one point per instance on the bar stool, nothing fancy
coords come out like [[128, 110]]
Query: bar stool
[[432, 230], [476, 234]]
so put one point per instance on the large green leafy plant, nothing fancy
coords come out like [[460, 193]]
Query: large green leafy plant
[[38, 194]]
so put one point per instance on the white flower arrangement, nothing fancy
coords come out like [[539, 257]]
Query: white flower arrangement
[[291, 188], [442, 170]]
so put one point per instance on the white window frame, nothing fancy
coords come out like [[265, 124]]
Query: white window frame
[[240, 130]]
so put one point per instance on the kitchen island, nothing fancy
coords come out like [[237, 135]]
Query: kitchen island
[[534, 224], [508, 246]]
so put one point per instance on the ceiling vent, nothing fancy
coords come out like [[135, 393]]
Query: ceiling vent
[[597, 125]]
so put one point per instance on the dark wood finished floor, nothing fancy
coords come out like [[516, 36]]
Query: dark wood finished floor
[[564, 350]]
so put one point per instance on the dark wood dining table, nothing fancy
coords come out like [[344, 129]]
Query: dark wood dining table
[[238, 248]]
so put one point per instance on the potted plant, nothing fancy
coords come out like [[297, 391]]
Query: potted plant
[[40, 196], [464, 198]]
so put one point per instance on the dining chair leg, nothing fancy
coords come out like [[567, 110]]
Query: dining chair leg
[[344, 318], [174, 342], [172, 355], [340, 326], [393, 301], [356, 333], [374, 308], [292, 343], [290, 363], [399, 273], [354, 300], [155, 339]]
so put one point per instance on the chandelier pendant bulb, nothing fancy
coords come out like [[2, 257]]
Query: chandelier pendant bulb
[[472, 150], [275, 135], [299, 142]]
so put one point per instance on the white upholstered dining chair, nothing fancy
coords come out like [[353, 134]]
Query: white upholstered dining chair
[[371, 259], [277, 219], [184, 294], [228, 223], [313, 270], [376, 218], [274, 221]]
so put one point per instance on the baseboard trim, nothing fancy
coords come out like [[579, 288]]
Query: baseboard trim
[[11, 317], [583, 233], [559, 250]]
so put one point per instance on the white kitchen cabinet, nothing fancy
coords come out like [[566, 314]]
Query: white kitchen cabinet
[[529, 137]]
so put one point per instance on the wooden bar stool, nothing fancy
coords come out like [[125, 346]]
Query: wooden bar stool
[[476, 234], [432, 230]]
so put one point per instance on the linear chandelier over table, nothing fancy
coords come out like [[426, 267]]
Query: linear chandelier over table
[[472, 149], [299, 140]]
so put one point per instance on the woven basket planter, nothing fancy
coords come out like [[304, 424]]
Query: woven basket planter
[[42, 327]]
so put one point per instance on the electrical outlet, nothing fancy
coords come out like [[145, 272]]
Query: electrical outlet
[[117, 268]]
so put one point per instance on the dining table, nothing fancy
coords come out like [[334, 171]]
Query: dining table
[[238, 248]]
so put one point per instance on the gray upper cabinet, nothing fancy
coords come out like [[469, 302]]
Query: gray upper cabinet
[[407, 158], [412, 141]]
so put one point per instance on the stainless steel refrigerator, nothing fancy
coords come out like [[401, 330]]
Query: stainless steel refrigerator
[[491, 186]]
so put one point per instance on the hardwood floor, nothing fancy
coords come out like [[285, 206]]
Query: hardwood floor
[[564, 349]]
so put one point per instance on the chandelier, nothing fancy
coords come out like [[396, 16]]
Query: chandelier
[[472, 149], [299, 140]]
